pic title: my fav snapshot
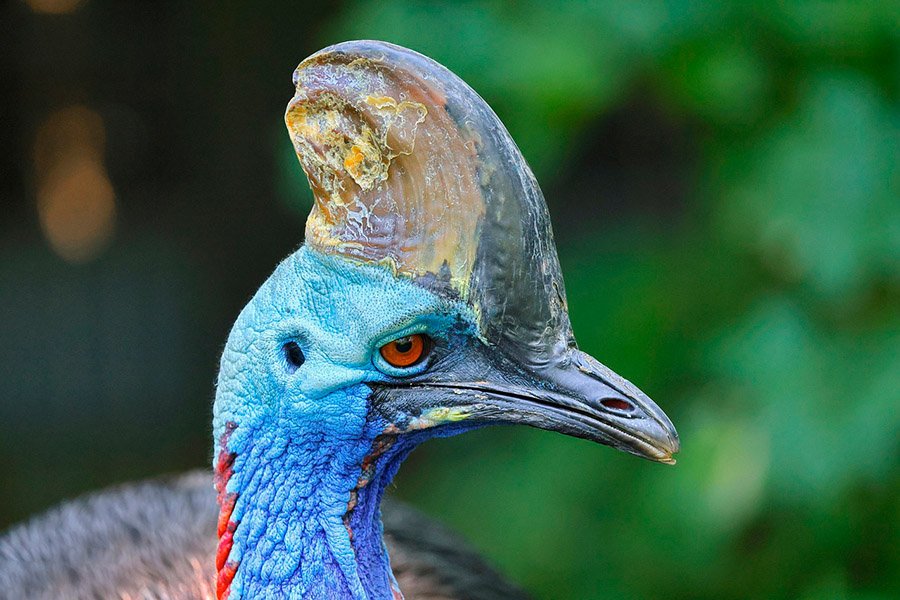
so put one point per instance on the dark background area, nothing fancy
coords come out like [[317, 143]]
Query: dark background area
[[724, 189]]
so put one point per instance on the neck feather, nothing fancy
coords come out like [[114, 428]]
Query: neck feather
[[301, 516]]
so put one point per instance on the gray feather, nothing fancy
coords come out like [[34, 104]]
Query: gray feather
[[155, 540]]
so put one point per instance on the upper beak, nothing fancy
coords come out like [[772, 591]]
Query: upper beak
[[576, 396]]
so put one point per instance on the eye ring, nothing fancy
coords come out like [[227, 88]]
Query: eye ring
[[406, 351]]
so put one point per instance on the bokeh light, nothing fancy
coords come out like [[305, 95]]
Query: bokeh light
[[55, 7], [75, 199]]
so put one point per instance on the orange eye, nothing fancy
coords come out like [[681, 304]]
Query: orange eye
[[406, 351]]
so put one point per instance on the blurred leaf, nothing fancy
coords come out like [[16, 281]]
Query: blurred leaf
[[726, 82], [829, 405], [817, 198]]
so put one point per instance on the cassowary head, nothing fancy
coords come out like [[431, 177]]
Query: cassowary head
[[427, 300]]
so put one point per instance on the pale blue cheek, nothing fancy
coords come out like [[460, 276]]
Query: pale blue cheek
[[338, 312]]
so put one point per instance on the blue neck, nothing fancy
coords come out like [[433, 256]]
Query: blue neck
[[307, 513]]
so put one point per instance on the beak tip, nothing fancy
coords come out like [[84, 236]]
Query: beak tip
[[667, 446], [664, 456]]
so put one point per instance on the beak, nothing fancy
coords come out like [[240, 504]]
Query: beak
[[575, 396]]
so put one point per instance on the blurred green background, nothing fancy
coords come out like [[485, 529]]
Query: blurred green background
[[724, 185]]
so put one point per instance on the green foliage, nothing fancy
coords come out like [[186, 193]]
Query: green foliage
[[766, 320]]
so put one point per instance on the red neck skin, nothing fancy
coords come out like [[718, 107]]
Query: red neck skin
[[225, 569]]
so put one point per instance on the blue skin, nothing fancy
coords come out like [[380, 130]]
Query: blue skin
[[302, 433]]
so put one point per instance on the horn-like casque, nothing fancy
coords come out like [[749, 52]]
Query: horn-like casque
[[412, 169]]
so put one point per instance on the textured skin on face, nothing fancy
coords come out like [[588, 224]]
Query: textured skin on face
[[299, 436]]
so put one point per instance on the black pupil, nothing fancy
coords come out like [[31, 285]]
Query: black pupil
[[403, 345], [294, 354]]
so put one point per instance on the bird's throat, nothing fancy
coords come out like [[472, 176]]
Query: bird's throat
[[299, 515]]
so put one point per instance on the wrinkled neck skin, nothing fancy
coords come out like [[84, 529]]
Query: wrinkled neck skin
[[306, 518]]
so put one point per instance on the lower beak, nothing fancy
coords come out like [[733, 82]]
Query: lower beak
[[578, 397]]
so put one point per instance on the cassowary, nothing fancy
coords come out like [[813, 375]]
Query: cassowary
[[426, 301]]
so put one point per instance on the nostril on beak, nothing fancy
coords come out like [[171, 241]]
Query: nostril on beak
[[617, 405]]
